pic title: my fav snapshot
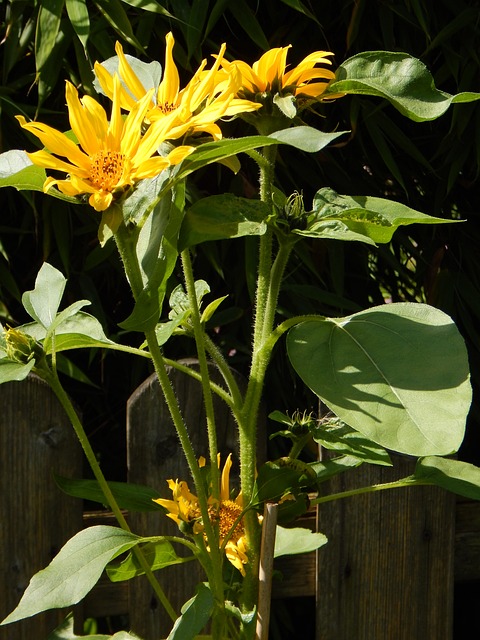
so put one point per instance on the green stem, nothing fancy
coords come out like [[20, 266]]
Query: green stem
[[62, 396], [126, 243], [204, 373], [409, 481]]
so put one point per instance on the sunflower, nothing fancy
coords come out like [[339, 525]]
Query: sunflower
[[225, 513], [208, 96], [269, 74], [111, 155]]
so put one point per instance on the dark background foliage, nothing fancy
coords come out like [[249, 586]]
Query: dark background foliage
[[432, 167]]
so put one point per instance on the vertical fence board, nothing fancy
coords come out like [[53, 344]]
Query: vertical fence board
[[36, 439], [387, 570], [154, 455]]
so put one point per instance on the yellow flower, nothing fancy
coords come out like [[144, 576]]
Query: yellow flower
[[209, 96], [184, 508], [269, 74], [111, 155]]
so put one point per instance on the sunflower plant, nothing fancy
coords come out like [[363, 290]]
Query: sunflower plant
[[394, 377]]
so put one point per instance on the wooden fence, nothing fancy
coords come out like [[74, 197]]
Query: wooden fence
[[387, 573]]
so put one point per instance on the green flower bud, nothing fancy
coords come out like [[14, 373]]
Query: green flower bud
[[20, 347]]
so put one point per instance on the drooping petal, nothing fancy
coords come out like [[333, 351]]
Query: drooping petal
[[225, 480]]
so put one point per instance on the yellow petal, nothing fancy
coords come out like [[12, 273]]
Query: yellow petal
[[128, 75], [271, 66], [56, 142], [167, 93], [225, 480], [100, 200], [81, 124]]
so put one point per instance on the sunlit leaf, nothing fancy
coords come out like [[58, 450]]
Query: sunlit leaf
[[289, 542], [456, 476], [397, 373], [43, 301], [399, 78]]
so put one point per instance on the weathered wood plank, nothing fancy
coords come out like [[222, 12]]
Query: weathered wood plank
[[387, 571], [36, 439]]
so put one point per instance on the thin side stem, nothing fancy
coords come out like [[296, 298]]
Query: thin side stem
[[409, 481], [110, 498], [204, 373]]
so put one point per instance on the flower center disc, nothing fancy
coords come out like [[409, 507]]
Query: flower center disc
[[106, 169], [229, 511]]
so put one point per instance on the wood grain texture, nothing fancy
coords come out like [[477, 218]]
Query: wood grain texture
[[37, 519], [388, 568]]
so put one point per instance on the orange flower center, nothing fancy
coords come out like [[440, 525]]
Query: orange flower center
[[166, 107], [106, 169], [227, 514]]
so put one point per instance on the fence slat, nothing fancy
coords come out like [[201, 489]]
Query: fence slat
[[387, 570], [36, 439], [154, 455]]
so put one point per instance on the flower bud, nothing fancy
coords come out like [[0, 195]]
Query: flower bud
[[20, 347]]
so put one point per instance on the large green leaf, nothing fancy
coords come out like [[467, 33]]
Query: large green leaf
[[362, 218], [296, 540], [398, 373], [399, 78], [195, 615], [223, 216], [456, 476], [74, 570]]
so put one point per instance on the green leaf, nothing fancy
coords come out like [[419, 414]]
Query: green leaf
[[43, 301], [159, 554], [14, 371], [195, 615], [134, 497], [75, 332], [306, 138], [289, 542], [78, 15], [335, 435], [399, 78], [74, 570], [116, 15], [330, 468], [48, 24], [222, 216], [376, 219], [397, 373], [157, 253], [456, 476]]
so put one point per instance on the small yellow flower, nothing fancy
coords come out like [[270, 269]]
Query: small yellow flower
[[111, 155], [209, 96], [225, 512], [269, 74]]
